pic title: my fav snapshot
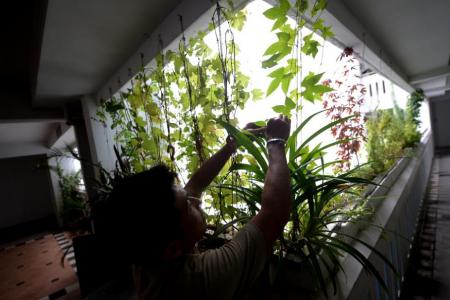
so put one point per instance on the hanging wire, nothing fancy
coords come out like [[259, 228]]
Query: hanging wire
[[197, 135], [170, 147], [227, 57]]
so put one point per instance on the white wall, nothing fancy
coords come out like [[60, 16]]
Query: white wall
[[100, 137]]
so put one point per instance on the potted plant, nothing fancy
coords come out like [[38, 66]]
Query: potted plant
[[312, 241]]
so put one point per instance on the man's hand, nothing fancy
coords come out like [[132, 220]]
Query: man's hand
[[255, 129], [278, 128]]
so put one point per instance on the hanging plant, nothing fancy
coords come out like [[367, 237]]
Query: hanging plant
[[346, 99], [285, 56], [169, 113]]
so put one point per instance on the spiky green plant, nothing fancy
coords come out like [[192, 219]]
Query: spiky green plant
[[318, 202]]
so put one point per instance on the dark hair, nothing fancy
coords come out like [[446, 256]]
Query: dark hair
[[139, 217]]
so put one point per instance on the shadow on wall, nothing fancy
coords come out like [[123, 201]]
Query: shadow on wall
[[25, 197]]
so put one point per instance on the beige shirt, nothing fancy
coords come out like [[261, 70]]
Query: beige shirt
[[224, 273]]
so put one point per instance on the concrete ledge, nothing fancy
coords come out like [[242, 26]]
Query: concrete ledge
[[397, 203]]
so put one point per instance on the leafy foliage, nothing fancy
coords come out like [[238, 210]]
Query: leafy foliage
[[389, 132], [412, 133], [74, 204], [285, 55], [174, 113], [176, 102], [345, 100], [317, 208], [169, 113], [385, 138]]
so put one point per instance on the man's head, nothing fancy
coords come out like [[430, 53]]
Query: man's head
[[148, 218]]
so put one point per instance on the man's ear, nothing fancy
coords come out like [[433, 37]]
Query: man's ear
[[173, 250]]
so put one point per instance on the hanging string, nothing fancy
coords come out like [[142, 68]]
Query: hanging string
[[148, 117], [227, 58], [170, 148], [197, 135], [106, 132]]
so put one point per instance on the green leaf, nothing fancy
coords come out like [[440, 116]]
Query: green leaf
[[325, 30], [283, 37], [310, 46], [292, 65], [327, 33], [289, 103], [273, 86], [278, 108], [272, 61], [318, 24], [273, 13], [238, 20], [302, 5], [257, 94], [278, 73], [291, 142], [261, 123], [284, 6], [276, 48], [319, 5], [285, 82], [246, 142], [281, 109], [311, 79], [279, 22]]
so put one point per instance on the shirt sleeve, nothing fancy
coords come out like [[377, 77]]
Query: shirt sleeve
[[231, 270]]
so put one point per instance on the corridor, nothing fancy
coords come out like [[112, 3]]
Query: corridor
[[429, 271]]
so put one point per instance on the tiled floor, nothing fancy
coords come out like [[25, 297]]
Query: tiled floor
[[31, 269]]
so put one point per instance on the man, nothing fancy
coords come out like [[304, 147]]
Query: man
[[155, 225]]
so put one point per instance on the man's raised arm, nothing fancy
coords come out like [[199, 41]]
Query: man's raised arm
[[276, 199], [209, 169]]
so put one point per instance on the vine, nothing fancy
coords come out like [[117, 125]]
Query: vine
[[169, 113], [292, 42]]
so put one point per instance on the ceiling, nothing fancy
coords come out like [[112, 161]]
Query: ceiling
[[414, 33], [84, 42]]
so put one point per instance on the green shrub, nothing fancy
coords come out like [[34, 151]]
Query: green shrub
[[385, 138], [389, 132], [73, 201], [412, 133]]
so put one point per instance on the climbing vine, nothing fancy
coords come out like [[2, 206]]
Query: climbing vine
[[168, 114], [284, 57]]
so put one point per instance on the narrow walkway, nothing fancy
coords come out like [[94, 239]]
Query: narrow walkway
[[441, 273], [428, 275]]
